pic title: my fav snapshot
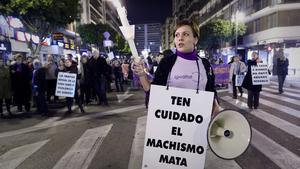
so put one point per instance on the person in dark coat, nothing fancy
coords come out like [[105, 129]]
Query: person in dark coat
[[253, 90], [39, 88], [21, 75], [100, 72], [282, 71], [71, 67], [5, 88]]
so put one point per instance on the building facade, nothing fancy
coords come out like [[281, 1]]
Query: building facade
[[148, 37], [271, 25]]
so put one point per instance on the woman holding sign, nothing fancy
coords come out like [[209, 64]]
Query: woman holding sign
[[253, 90], [178, 70], [71, 67]]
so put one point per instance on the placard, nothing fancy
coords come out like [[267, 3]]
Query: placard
[[239, 80], [176, 132], [260, 75], [65, 85]]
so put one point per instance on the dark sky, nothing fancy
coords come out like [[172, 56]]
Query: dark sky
[[147, 11]]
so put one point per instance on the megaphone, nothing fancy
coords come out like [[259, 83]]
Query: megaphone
[[229, 134]]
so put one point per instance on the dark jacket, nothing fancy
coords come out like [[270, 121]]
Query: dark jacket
[[39, 81], [166, 64], [247, 83], [282, 67]]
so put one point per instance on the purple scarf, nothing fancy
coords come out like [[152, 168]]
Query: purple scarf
[[189, 56]]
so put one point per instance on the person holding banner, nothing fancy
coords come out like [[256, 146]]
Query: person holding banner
[[184, 69], [72, 68], [253, 90], [237, 69]]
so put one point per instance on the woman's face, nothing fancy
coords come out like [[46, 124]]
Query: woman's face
[[68, 63], [184, 39], [254, 56]]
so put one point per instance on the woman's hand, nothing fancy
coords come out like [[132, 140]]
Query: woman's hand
[[139, 69]]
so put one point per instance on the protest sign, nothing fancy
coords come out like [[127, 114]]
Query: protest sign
[[221, 73], [239, 80], [176, 132], [260, 75], [65, 85]]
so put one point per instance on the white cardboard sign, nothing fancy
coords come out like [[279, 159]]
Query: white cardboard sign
[[65, 85], [260, 75], [176, 132]]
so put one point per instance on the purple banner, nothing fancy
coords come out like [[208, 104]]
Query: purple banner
[[222, 73]]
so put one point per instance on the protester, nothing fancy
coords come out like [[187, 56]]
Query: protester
[[39, 88], [5, 88], [21, 77], [51, 77], [100, 71], [184, 62], [236, 68], [282, 71], [118, 75], [70, 67], [253, 90]]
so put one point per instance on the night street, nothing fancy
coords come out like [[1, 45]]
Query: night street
[[113, 137]]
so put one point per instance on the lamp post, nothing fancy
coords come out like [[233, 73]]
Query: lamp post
[[238, 17]]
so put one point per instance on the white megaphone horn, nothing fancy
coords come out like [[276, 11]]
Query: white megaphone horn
[[229, 134]]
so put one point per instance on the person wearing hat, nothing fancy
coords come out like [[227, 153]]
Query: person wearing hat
[[5, 88]]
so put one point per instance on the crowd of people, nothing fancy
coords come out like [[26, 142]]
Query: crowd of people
[[25, 81], [28, 82]]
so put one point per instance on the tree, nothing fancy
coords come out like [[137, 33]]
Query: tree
[[93, 34], [216, 33], [41, 17]]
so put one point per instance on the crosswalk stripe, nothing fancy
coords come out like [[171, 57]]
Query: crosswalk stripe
[[272, 120], [285, 89], [286, 93], [13, 158], [83, 151], [282, 98], [212, 161], [275, 152], [137, 149], [75, 119], [285, 109]]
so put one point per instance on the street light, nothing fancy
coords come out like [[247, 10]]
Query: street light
[[238, 17]]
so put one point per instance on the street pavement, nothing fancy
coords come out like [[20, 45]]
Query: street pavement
[[113, 137]]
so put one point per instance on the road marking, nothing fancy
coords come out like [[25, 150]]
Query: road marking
[[75, 119], [85, 148], [214, 162], [13, 158], [275, 152], [282, 98], [287, 127], [286, 93], [285, 89], [137, 149], [285, 109], [222, 90], [122, 97]]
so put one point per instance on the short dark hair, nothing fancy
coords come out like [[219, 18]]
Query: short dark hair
[[185, 22]]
